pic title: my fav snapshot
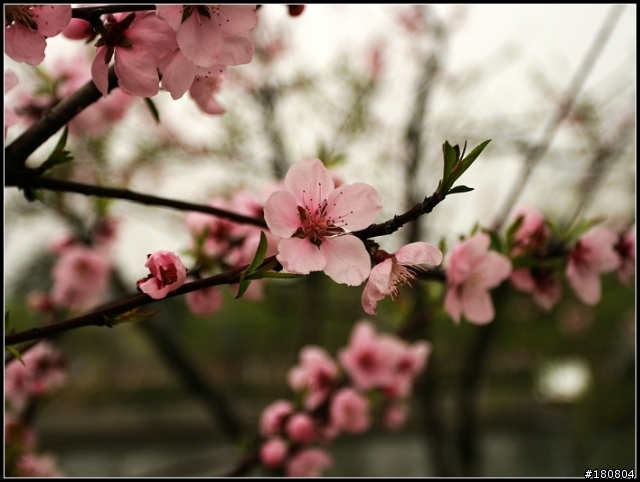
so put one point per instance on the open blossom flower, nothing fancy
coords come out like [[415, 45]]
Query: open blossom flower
[[395, 270], [543, 284], [205, 301], [273, 417], [316, 375], [405, 362], [168, 273], [80, 278], [349, 411], [592, 255], [28, 26], [139, 41], [312, 218], [471, 272], [308, 463], [212, 34], [626, 249], [43, 371]]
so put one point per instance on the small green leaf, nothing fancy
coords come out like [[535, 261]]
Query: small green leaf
[[473, 155], [153, 109], [496, 242], [261, 252], [450, 158], [511, 231], [58, 155], [578, 229], [15, 353], [459, 189], [243, 285]]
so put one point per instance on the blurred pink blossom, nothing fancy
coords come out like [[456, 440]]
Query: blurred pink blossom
[[349, 411], [308, 463], [301, 428], [311, 217], [593, 255], [32, 465], [273, 417], [28, 26], [395, 270], [395, 416], [532, 233], [364, 359], [316, 374], [471, 272], [80, 278], [626, 249], [205, 301], [273, 452], [545, 287], [168, 273]]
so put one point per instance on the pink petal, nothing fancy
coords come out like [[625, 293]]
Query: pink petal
[[154, 34], [172, 14], [177, 74], [99, 71], [236, 19], [491, 270], [137, 71], [152, 288], [10, 80], [585, 284], [281, 214], [380, 276], [300, 256], [357, 205], [236, 50], [523, 280], [24, 45], [601, 241], [347, 259], [418, 253], [477, 245], [205, 86], [309, 181], [200, 40], [477, 305], [51, 19], [453, 304]]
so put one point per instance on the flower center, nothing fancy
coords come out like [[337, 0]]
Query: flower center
[[20, 14], [168, 275], [402, 275], [316, 223]]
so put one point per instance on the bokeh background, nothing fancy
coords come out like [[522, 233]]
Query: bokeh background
[[551, 394]]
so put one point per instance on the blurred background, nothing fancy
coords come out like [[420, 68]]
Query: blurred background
[[374, 91]]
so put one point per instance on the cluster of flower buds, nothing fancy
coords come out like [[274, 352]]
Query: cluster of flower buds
[[373, 375]]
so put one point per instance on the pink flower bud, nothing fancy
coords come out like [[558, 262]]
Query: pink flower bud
[[273, 452], [167, 274], [300, 428]]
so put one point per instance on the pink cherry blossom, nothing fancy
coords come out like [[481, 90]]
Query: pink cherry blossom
[[79, 29], [472, 271], [80, 278], [139, 41], [395, 416], [626, 249], [205, 301], [308, 463], [592, 255], [167, 274], [405, 362], [300, 428], [273, 417], [28, 27], [532, 233], [349, 411], [273, 452], [32, 465], [543, 284], [316, 374], [212, 34], [312, 218], [396, 270], [44, 370], [365, 359]]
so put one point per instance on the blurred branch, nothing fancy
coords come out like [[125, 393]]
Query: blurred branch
[[47, 125], [267, 97], [537, 151], [115, 193], [101, 316]]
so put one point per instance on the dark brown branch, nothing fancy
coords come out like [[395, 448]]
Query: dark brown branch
[[115, 193], [101, 316], [51, 122], [88, 13]]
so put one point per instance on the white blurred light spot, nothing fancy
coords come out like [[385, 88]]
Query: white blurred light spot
[[563, 380]]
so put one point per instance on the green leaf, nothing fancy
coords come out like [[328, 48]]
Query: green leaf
[[131, 316], [450, 158], [496, 242], [577, 230], [459, 189], [473, 155], [511, 231], [261, 252], [243, 285], [58, 155], [153, 109], [15, 353]]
